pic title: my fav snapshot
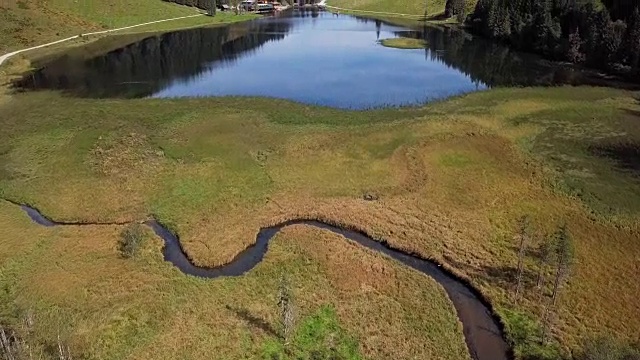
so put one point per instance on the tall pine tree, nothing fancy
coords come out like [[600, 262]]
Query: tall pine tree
[[631, 42], [574, 52], [454, 7]]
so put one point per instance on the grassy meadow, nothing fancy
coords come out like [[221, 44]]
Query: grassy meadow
[[26, 23], [411, 7], [404, 43], [451, 180], [107, 307]]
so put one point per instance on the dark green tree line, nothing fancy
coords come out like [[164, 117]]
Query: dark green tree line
[[454, 8], [581, 31]]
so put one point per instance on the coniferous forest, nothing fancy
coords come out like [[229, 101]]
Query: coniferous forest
[[604, 35]]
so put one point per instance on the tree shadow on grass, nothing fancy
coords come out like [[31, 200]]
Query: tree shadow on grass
[[432, 17], [253, 320], [625, 155], [632, 112], [504, 276]]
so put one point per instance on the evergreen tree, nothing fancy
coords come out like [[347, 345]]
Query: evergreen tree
[[574, 52], [454, 7], [517, 21], [211, 8], [576, 30], [482, 16], [631, 42], [540, 23], [492, 18], [597, 22]]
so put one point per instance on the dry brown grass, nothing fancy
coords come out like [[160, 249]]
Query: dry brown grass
[[451, 179], [101, 301]]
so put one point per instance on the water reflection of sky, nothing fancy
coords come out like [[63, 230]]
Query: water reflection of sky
[[330, 61]]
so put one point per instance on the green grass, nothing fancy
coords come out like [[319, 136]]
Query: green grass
[[429, 8], [199, 21], [404, 43], [30, 23], [320, 336], [452, 177], [119, 13]]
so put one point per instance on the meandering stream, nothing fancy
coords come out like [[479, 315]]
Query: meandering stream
[[483, 333]]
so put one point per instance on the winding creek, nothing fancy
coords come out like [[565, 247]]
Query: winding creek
[[482, 331], [315, 58]]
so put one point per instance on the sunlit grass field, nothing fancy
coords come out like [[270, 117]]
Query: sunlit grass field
[[404, 43], [451, 179], [25, 23], [106, 307], [429, 8]]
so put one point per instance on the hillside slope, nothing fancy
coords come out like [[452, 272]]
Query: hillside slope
[[25, 23], [416, 7]]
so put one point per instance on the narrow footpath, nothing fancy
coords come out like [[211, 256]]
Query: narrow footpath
[[5, 57]]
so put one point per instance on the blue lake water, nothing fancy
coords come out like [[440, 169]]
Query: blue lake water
[[334, 61], [316, 58]]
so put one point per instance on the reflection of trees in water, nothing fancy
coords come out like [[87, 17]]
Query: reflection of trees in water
[[494, 64], [141, 69], [308, 12], [483, 61]]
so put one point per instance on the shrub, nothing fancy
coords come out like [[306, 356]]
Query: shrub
[[131, 239], [320, 336], [608, 349], [524, 334]]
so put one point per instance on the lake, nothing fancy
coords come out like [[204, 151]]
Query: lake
[[312, 57]]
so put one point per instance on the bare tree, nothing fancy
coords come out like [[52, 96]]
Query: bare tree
[[7, 345], [63, 350], [14, 345], [523, 236], [287, 309], [547, 320]]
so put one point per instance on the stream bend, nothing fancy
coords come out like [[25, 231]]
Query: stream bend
[[483, 333]]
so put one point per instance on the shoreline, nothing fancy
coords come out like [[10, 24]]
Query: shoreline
[[96, 35]]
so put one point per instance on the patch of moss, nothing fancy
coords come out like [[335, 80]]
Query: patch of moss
[[404, 43]]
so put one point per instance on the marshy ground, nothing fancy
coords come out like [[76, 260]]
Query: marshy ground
[[446, 181]]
